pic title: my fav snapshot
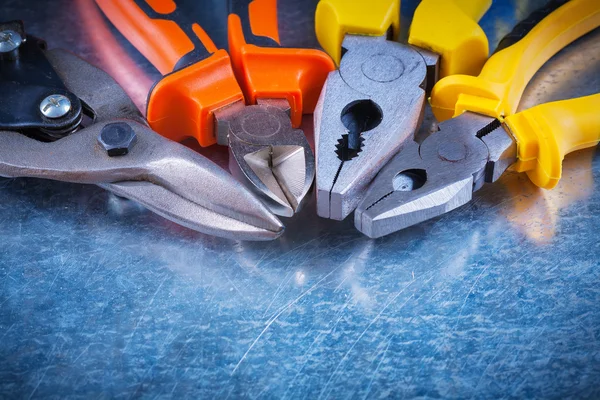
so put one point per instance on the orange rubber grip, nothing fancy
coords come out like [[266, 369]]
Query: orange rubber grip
[[198, 78], [265, 69]]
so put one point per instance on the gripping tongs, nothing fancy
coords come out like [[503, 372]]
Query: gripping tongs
[[64, 119], [482, 134]]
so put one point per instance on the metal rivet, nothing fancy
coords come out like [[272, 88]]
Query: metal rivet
[[452, 151], [55, 106], [383, 68], [117, 139], [9, 41]]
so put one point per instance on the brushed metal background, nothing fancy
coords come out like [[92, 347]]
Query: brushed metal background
[[101, 298]]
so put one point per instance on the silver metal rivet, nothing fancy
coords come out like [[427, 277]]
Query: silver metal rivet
[[9, 41], [55, 106], [452, 151]]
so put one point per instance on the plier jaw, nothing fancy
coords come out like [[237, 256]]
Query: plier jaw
[[268, 155], [367, 110], [427, 180]]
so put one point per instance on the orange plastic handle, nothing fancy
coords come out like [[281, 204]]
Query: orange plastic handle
[[265, 69], [198, 78]]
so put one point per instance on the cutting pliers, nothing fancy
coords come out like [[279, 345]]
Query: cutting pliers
[[481, 136], [375, 101], [251, 99], [64, 119]]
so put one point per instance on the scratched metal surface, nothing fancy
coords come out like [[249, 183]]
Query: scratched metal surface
[[100, 298]]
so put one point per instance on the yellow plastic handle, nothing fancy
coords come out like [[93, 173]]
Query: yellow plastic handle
[[497, 90], [449, 28], [334, 19], [546, 133]]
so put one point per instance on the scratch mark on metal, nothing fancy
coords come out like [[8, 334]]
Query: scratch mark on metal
[[143, 314], [306, 353], [285, 280], [377, 368], [363, 333], [278, 314]]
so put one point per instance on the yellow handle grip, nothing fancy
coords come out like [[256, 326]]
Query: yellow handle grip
[[546, 133], [449, 28], [498, 89], [334, 19]]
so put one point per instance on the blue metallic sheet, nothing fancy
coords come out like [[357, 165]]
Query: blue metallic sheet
[[100, 298]]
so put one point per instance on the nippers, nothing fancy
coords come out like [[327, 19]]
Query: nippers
[[265, 149], [64, 119], [484, 136], [375, 101], [251, 99]]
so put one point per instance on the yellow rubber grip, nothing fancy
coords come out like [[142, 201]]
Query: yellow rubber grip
[[546, 133], [334, 19], [498, 89], [449, 28]]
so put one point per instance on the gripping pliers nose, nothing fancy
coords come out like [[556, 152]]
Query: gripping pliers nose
[[64, 119], [481, 134], [251, 99], [375, 101]]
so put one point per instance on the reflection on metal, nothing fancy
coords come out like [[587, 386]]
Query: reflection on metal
[[488, 301], [542, 208], [110, 54]]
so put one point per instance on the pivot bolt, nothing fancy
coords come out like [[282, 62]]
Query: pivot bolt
[[9, 41], [117, 139], [55, 106], [453, 152]]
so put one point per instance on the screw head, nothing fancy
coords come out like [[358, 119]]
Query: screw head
[[55, 106], [117, 139], [9, 41]]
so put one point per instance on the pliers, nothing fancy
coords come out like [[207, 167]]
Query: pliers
[[251, 99], [64, 119], [481, 136], [375, 101]]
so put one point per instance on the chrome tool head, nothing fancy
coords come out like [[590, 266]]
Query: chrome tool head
[[367, 110], [427, 180], [166, 177], [269, 156]]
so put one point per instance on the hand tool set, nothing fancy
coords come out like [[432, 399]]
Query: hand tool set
[[250, 99], [64, 119], [378, 89]]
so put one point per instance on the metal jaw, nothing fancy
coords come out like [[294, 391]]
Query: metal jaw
[[367, 110], [271, 158], [164, 176], [428, 180]]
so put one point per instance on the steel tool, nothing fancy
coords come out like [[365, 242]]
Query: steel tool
[[64, 119], [485, 137], [252, 102], [375, 101]]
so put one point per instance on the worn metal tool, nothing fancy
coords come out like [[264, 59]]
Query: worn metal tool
[[64, 119], [375, 101], [251, 99], [486, 137]]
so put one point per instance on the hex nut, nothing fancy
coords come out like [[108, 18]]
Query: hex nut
[[117, 139]]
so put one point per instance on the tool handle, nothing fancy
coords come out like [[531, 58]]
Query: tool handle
[[259, 22], [198, 76], [168, 36], [498, 89], [546, 133], [450, 28], [334, 19], [524, 27], [265, 69]]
